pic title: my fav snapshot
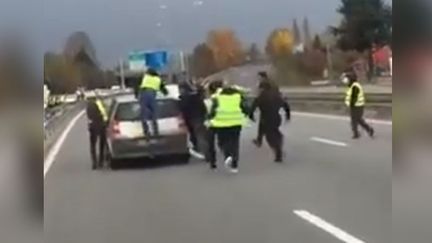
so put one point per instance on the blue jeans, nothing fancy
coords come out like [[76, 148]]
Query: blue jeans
[[148, 103]]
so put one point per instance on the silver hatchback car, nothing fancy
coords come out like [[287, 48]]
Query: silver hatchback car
[[126, 139]]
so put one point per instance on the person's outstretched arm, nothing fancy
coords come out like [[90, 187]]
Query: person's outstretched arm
[[253, 109], [163, 88], [287, 109], [354, 96], [213, 108]]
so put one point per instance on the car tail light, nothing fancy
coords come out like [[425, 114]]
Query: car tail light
[[181, 123], [115, 129]]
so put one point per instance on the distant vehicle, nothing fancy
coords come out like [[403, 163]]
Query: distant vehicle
[[115, 87], [126, 139], [46, 96], [69, 99]]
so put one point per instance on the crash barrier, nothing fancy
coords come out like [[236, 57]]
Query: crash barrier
[[378, 105], [58, 100], [56, 121], [56, 118]]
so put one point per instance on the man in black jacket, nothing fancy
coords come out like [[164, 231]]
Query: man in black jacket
[[269, 102], [97, 121], [194, 112], [264, 82]]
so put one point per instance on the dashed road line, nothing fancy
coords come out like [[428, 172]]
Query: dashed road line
[[327, 227], [328, 141], [341, 118]]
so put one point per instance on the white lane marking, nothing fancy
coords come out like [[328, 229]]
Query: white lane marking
[[52, 154], [328, 141], [329, 228], [340, 118]]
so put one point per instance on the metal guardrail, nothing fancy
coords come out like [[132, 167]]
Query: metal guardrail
[[384, 98], [56, 118], [377, 105]]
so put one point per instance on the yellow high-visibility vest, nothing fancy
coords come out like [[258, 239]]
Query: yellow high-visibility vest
[[360, 99], [228, 112], [102, 110], [151, 82]]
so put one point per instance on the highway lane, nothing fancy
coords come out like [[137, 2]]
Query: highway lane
[[346, 186]]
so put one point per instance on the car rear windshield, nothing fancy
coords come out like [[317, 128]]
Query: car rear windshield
[[131, 111]]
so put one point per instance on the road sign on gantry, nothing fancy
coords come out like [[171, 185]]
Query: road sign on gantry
[[137, 61], [156, 59]]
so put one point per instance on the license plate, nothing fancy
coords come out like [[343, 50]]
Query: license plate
[[143, 142], [146, 142]]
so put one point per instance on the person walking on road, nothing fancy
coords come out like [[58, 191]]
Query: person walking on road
[[97, 116], [355, 101], [264, 80], [269, 102], [151, 84], [194, 112], [227, 116]]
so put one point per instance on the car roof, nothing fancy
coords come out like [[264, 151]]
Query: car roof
[[173, 93], [125, 98]]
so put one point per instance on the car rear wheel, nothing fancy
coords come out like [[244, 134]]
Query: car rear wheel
[[183, 158], [112, 163]]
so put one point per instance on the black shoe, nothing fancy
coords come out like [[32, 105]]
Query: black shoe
[[213, 167], [356, 136], [279, 156], [257, 143], [94, 167], [372, 133]]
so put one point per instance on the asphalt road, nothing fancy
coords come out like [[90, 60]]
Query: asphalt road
[[329, 187]]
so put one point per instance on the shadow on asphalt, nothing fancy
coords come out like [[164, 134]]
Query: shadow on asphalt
[[151, 163]]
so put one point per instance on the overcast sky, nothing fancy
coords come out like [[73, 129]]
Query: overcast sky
[[118, 26]]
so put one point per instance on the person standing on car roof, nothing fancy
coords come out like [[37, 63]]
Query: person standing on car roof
[[355, 101], [269, 102], [194, 112], [151, 84], [226, 118], [97, 116]]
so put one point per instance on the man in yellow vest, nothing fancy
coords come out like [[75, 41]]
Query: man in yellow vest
[[97, 122], [151, 84], [355, 101], [226, 118]]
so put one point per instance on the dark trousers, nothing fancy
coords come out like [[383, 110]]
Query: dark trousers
[[357, 119], [273, 136], [148, 104], [229, 141], [197, 134], [260, 134], [97, 135]]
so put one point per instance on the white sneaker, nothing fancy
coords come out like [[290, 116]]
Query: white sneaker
[[228, 162], [234, 170], [196, 154]]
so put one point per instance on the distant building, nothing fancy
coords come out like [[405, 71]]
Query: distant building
[[381, 59]]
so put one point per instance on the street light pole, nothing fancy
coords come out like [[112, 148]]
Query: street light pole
[[122, 76], [329, 62]]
